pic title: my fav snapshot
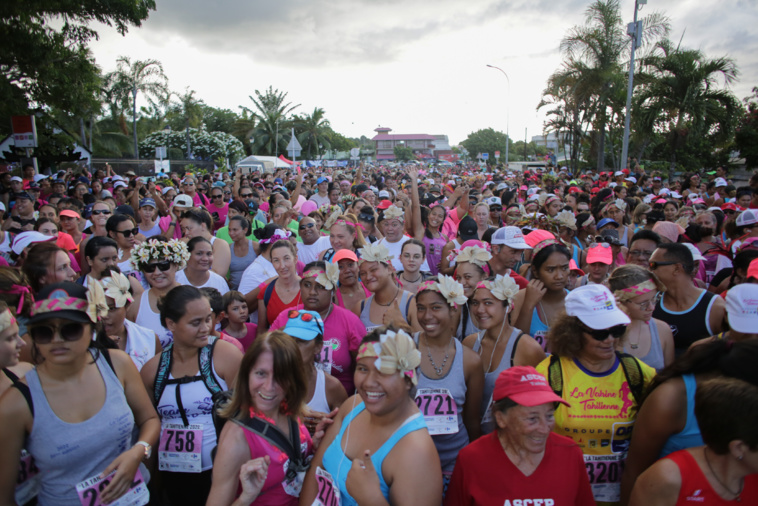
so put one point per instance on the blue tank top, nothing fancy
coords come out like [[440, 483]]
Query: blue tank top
[[690, 434], [538, 329], [338, 465]]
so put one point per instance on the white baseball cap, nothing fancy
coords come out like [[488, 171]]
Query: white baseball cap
[[747, 217], [595, 306], [511, 237], [742, 308], [675, 194], [631, 179], [720, 181], [16, 179], [183, 201], [696, 255], [618, 173], [27, 238], [494, 201]]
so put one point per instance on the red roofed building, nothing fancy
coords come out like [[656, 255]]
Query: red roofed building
[[423, 145]]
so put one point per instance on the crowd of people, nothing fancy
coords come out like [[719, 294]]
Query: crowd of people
[[412, 334]]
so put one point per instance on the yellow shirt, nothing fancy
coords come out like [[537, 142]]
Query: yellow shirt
[[600, 420]]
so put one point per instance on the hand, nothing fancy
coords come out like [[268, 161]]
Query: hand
[[413, 173], [253, 474], [323, 424], [311, 418], [362, 480], [126, 466], [535, 290], [393, 314]]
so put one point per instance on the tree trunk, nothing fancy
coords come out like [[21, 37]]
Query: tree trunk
[[601, 146], [134, 122]]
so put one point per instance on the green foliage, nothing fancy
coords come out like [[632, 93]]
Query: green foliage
[[312, 129], [746, 138], [337, 141], [486, 141], [403, 153], [272, 129]]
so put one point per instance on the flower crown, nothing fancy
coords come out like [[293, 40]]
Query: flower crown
[[117, 288], [327, 278], [475, 255], [332, 219], [375, 253], [395, 352], [502, 287], [278, 235], [450, 289], [566, 219], [393, 212], [175, 251]]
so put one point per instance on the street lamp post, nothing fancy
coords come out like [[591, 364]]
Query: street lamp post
[[507, 114], [634, 30]]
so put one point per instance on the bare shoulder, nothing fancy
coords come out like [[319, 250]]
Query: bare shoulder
[[659, 485], [471, 358], [470, 340]]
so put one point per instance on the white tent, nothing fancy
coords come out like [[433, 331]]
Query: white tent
[[266, 162]]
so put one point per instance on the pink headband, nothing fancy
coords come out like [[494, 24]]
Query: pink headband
[[635, 290], [345, 222], [19, 290], [544, 244]]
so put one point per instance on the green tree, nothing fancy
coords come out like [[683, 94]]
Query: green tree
[[311, 132], [219, 120], [403, 153], [129, 79], [336, 141], [485, 141], [681, 97], [272, 121], [746, 138]]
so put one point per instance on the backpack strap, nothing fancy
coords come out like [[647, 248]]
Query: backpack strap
[[633, 373], [555, 375], [515, 345], [276, 438], [268, 293], [205, 366], [22, 387], [162, 373]]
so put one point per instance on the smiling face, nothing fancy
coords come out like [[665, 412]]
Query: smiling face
[[526, 428], [597, 351], [308, 231], [100, 214], [670, 211], [436, 217], [375, 275], [201, 258], [160, 279], [340, 237], [284, 261], [195, 326], [10, 346], [490, 311], [381, 393], [434, 313], [267, 394], [113, 322], [468, 275]]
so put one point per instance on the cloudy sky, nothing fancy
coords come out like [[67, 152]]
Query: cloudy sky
[[416, 66]]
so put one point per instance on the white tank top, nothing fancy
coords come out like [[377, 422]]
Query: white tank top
[[319, 402], [140, 343], [147, 318]]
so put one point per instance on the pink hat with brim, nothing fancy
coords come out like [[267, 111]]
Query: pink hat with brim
[[524, 386], [344, 254], [599, 254], [535, 237], [575, 268]]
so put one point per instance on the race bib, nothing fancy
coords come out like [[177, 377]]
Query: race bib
[[90, 489], [605, 472], [181, 448], [439, 409], [326, 358], [541, 337], [29, 481], [328, 492]]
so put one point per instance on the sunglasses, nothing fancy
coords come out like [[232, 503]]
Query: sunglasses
[[655, 265], [44, 334], [602, 334], [227, 193], [129, 233], [648, 303], [217, 196], [309, 225], [306, 317], [246, 195], [600, 245], [100, 211], [150, 268]]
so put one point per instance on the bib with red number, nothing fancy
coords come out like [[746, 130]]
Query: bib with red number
[[28, 482], [439, 410], [328, 491], [181, 448], [90, 489]]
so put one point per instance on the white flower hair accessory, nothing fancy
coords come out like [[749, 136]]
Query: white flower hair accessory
[[394, 213], [151, 251], [327, 278], [566, 219], [395, 352], [542, 198], [475, 255], [449, 288], [375, 253], [332, 219], [502, 287], [620, 203], [97, 307], [117, 288]]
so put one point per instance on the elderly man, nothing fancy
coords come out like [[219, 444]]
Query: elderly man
[[313, 243]]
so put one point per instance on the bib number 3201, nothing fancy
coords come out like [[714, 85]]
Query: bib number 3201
[[439, 409], [180, 448]]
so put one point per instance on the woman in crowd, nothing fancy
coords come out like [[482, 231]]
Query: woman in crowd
[[80, 395], [350, 289], [616, 210], [412, 256], [282, 292], [586, 369], [140, 343], [724, 471], [499, 345], [428, 230], [537, 462], [122, 229], [552, 206], [261, 269], [182, 381], [639, 218], [471, 267], [671, 210], [100, 254], [69, 220], [344, 233], [666, 422], [343, 330], [242, 249], [537, 308], [638, 291], [325, 392], [388, 302], [481, 217], [448, 369], [99, 216], [378, 450], [46, 264], [270, 393], [199, 223], [198, 271], [158, 260]]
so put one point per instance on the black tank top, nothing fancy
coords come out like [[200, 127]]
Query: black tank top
[[690, 325]]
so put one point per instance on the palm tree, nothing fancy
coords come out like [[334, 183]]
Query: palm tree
[[191, 111], [129, 79], [680, 96], [312, 129], [272, 120], [244, 129]]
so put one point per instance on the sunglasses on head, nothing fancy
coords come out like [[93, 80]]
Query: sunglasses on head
[[44, 334], [602, 334], [163, 266], [600, 245], [128, 233], [100, 211], [306, 317]]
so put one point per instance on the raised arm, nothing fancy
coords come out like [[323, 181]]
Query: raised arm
[[417, 228], [299, 180]]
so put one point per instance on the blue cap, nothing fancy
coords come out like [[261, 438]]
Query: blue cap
[[147, 202], [607, 221], [322, 179], [303, 324], [219, 184], [278, 180], [87, 211]]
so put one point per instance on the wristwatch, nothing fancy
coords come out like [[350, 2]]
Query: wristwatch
[[148, 449]]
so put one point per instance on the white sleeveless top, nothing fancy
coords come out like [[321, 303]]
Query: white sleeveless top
[[147, 318], [319, 402], [140, 343]]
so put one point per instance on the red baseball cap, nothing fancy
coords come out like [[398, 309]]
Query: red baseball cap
[[575, 189], [575, 268], [384, 204], [525, 386], [752, 270]]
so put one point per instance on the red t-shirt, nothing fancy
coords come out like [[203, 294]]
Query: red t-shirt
[[521, 281], [485, 475], [275, 304]]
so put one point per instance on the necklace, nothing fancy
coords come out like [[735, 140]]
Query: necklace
[[737, 494], [441, 368], [391, 300], [328, 312], [414, 281], [636, 345]]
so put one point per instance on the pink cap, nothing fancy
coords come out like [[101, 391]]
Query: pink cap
[[535, 237], [70, 214], [599, 254], [575, 268], [525, 386], [752, 270], [344, 254]]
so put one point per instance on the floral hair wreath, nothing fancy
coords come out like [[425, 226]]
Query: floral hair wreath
[[116, 287], [278, 235], [475, 255], [502, 287], [565, 219], [175, 251], [6, 320], [395, 352], [332, 219], [375, 253], [449, 288], [328, 278], [394, 213]]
